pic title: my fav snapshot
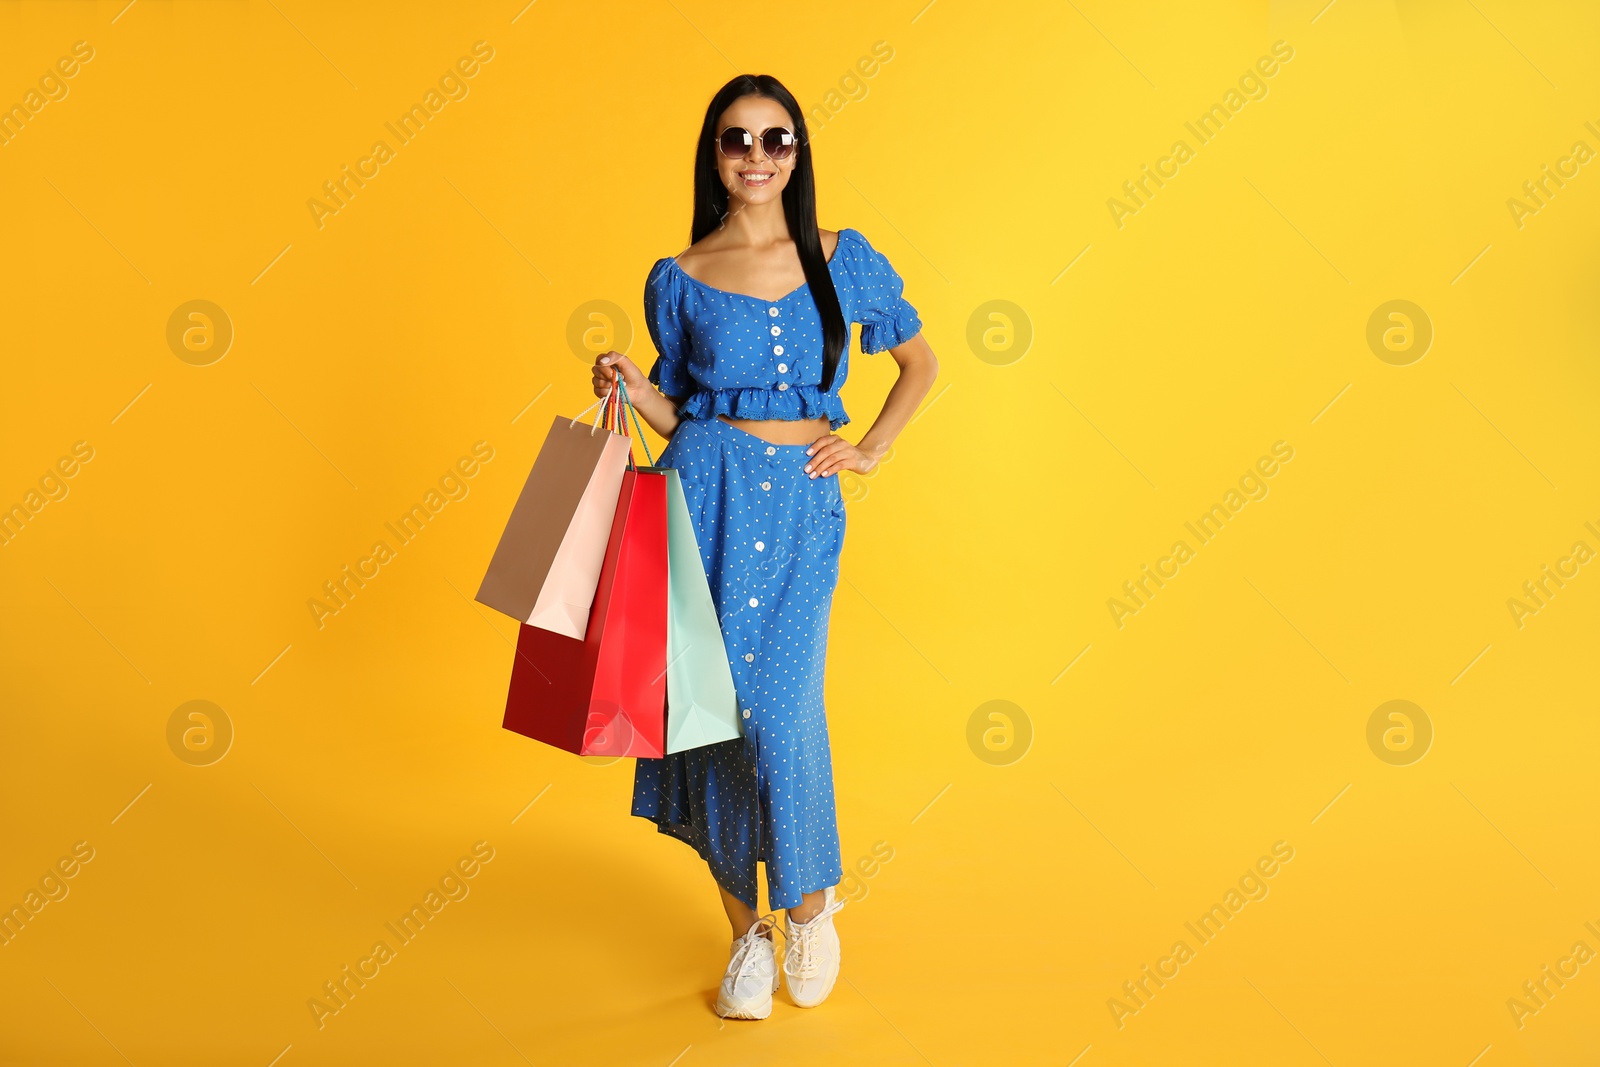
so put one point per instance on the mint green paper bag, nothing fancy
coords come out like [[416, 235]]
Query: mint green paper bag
[[702, 707]]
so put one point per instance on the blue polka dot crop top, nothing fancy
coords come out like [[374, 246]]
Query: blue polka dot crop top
[[733, 354]]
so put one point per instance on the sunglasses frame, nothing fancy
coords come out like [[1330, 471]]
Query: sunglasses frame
[[761, 140]]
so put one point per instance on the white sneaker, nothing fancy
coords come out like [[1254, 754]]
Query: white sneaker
[[811, 958], [752, 975]]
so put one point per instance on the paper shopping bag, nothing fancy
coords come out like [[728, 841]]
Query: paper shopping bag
[[702, 708], [606, 694], [547, 566]]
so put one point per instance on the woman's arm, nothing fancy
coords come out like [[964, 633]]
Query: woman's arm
[[659, 412], [919, 367]]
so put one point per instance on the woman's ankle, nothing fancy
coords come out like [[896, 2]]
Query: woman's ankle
[[810, 906]]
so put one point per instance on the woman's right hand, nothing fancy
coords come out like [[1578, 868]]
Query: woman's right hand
[[606, 367]]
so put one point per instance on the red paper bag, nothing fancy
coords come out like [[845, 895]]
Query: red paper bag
[[606, 694]]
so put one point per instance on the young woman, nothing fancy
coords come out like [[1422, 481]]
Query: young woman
[[752, 328]]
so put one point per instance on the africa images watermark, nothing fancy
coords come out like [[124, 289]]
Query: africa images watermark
[[341, 590], [1252, 486], [52, 88], [1252, 86], [1538, 192], [452, 86], [1252, 885], [852, 87], [338, 992], [52, 887], [854, 885], [52, 487], [1538, 592], [1537, 993]]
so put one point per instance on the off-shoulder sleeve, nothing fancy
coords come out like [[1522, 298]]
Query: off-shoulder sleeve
[[670, 372], [887, 319]]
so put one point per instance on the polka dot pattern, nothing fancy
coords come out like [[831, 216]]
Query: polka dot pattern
[[770, 537], [739, 355]]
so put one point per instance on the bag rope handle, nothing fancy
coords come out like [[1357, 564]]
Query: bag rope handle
[[611, 417], [598, 415], [635, 415]]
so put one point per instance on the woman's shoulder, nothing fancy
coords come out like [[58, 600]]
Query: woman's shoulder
[[833, 243], [663, 276], [674, 272], [863, 263], [853, 246], [702, 251], [664, 288]]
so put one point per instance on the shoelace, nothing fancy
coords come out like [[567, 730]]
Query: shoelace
[[802, 949], [747, 944]]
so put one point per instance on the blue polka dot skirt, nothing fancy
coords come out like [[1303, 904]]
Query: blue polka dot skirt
[[770, 537]]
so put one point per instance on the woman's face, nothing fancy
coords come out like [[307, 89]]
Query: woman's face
[[755, 179]]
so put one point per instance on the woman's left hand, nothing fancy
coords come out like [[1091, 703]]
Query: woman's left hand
[[832, 454]]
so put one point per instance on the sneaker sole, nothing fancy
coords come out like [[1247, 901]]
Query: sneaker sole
[[813, 1003], [797, 1002], [729, 1012]]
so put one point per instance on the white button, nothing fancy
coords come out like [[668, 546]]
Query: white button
[[761, 546], [782, 367], [766, 485], [749, 657], [776, 331], [754, 602], [773, 312], [782, 386], [777, 350], [771, 451], [747, 713]]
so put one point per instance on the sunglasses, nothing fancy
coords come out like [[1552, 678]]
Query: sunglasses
[[778, 143]]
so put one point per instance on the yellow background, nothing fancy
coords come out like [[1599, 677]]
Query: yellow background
[[431, 311]]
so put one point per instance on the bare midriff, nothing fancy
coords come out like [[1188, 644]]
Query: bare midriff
[[782, 431]]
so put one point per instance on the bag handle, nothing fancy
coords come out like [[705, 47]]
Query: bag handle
[[611, 415], [598, 415], [616, 423], [613, 418], [628, 404]]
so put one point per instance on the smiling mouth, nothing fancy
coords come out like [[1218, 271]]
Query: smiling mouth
[[756, 178]]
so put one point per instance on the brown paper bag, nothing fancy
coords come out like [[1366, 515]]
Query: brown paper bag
[[547, 565]]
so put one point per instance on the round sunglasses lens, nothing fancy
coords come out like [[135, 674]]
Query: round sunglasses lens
[[777, 143], [735, 142]]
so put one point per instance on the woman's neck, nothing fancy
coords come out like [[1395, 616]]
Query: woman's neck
[[756, 225]]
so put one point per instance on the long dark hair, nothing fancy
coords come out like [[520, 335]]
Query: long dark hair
[[799, 206]]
